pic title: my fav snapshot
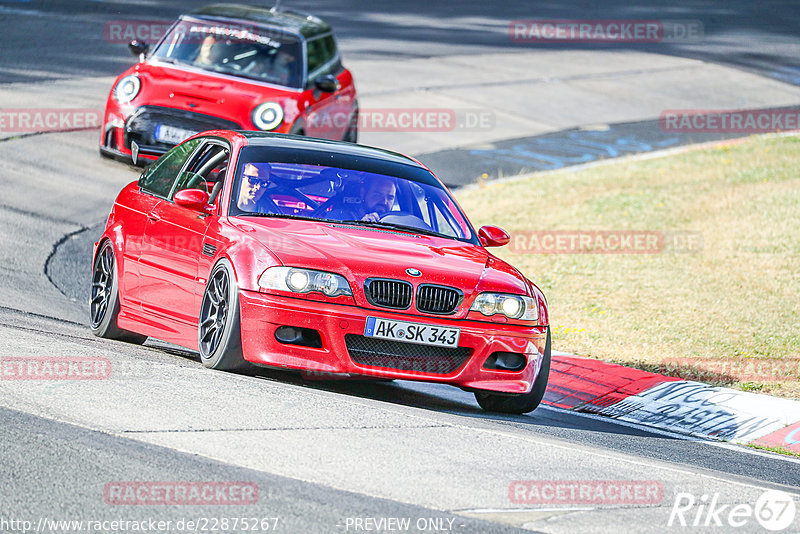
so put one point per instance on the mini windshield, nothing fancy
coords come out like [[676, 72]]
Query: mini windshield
[[270, 189], [246, 51]]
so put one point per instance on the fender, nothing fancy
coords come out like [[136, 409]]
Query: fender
[[249, 259]]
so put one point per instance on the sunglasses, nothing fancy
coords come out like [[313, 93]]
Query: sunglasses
[[256, 181]]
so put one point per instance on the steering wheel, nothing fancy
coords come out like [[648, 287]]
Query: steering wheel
[[196, 181], [405, 218]]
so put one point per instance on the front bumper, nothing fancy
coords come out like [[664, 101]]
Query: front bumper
[[140, 126], [262, 314]]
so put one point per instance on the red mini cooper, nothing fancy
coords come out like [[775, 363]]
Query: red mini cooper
[[230, 67], [319, 256]]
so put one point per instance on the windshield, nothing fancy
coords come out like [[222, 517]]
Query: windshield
[[246, 51], [300, 190]]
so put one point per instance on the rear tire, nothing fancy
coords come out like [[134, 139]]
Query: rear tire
[[104, 298], [524, 403], [219, 329]]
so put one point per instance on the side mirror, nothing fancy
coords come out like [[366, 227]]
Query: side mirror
[[138, 48], [327, 83], [194, 199], [492, 236]]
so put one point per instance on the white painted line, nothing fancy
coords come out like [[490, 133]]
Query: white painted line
[[520, 510]]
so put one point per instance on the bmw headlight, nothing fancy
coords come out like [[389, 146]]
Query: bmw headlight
[[127, 89], [512, 306], [299, 280], [268, 116]]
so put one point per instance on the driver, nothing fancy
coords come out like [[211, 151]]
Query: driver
[[211, 52], [255, 180]]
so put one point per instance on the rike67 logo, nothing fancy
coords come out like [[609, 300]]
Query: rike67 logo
[[774, 510]]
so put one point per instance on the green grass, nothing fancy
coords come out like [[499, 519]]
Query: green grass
[[727, 314], [778, 450]]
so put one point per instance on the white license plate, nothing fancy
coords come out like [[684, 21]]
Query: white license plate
[[171, 134], [424, 334]]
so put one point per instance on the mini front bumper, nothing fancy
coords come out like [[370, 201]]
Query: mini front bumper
[[262, 314]]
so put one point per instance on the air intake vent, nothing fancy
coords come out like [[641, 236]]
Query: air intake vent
[[405, 356], [395, 294], [438, 299], [209, 249]]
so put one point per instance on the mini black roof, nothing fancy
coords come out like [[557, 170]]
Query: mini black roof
[[306, 25], [323, 145]]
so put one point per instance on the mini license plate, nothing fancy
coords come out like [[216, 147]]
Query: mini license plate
[[424, 334], [172, 134]]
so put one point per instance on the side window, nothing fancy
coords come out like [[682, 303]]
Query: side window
[[160, 177], [320, 51], [205, 170]]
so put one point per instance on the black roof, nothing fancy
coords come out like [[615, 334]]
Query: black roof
[[302, 23], [323, 145]]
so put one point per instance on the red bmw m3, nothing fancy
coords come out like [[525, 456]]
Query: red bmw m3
[[262, 249]]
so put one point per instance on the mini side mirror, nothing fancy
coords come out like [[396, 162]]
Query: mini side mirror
[[194, 199], [493, 236], [327, 83], [138, 48]]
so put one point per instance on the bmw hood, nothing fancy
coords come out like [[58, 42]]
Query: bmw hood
[[361, 252]]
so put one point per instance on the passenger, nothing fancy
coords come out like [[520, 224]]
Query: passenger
[[284, 67], [261, 66]]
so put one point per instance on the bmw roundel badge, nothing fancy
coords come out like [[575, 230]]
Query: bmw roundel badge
[[413, 272]]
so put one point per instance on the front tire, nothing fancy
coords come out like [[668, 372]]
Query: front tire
[[219, 330], [524, 403], [104, 298]]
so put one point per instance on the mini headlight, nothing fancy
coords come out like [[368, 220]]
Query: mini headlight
[[512, 306], [299, 280], [268, 116], [127, 89]]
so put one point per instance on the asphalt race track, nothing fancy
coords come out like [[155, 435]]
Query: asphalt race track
[[343, 456]]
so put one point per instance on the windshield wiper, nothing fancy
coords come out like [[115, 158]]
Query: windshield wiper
[[281, 216], [402, 227], [172, 60]]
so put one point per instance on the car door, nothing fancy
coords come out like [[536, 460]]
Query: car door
[[329, 112], [170, 230], [155, 185], [133, 210]]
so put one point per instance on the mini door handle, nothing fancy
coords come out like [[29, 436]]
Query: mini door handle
[[153, 217]]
